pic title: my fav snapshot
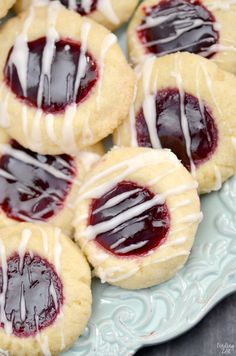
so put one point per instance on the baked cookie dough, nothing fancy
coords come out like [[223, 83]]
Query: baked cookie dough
[[205, 27], [61, 87], [40, 188], [109, 13], [5, 6], [46, 296], [137, 216], [186, 103]]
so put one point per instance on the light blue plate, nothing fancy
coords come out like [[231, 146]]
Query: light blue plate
[[123, 321]]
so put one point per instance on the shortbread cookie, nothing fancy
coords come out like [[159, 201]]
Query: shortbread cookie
[[137, 217], [5, 6], [45, 291], [61, 83], [205, 27], [39, 188], [109, 13], [186, 103]]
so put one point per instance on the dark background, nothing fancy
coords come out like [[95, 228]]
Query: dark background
[[215, 335]]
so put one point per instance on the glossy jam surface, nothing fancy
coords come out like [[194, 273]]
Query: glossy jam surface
[[201, 126], [137, 235], [80, 7], [30, 189], [178, 25], [66, 82], [33, 297]]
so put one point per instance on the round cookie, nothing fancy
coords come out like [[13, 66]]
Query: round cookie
[[61, 88], [5, 6], [109, 13], [39, 188], [187, 104], [205, 27], [137, 216], [46, 296]]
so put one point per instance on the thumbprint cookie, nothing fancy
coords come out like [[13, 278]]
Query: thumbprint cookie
[[109, 13], [185, 103], [137, 216], [45, 291], [5, 6], [61, 87], [40, 188], [203, 27]]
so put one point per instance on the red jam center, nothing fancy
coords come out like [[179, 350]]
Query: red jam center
[[203, 134], [70, 79], [79, 7], [33, 186], [177, 26], [136, 235], [33, 297]]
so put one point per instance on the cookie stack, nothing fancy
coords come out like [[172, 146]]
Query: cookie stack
[[133, 212]]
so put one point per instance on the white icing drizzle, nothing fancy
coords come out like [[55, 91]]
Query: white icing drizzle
[[22, 304], [87, 5], [191, 218], [68, 134], [131, 164], [43, 342], [48, 52], [161, 176], [44, 239], [182, 26], [54, 295], [221, 5], [57, 250], [61, 318], [88, 159], [209, 86], [7, 324], [79, 219], [184, 202], [216, 48], [106, 274], [149, 102], [101, 189], [184, 120], [24, 157], [164, 259], [36, 136], [6, 175], [116, 200], [20, 52], [25, 236], [49, 122], [132, 247], [93, 230], [107, 43], [106, 9], [82, 61], [72, 4]]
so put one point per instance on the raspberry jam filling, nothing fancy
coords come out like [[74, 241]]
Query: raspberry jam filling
[[80, 6], [32, 186], [203, 133], [33, 295], [177, 26], [71, 76], [135, 233]]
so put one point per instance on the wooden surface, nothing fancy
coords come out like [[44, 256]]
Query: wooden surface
[[214, 335]]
